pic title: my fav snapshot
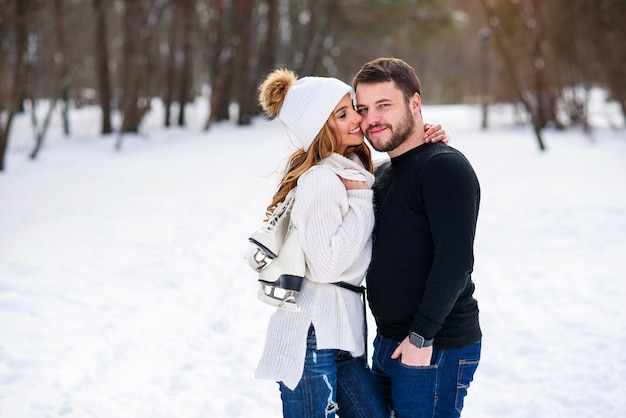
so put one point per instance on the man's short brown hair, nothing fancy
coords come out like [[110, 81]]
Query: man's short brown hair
[[389, 69]]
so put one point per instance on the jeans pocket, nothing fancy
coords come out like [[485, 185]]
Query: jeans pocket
[[467, 368], [417, 394], [409, 367]]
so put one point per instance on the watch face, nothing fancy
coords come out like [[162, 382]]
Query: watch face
[[416, 339]]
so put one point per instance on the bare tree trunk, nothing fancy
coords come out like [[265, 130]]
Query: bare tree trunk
[[214, 44], [102, 65], [141, 28], [245, 63], [222, 65], [546, 92], [61, 91], [485, 35], [609, 33], [22, 23], [40, 133], [170, 74], [267, 58], [62, 63], [132, 66], [312, 40], [321, 29], [185, 76]]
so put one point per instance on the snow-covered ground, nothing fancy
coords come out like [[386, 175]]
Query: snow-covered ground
[[123, 293]]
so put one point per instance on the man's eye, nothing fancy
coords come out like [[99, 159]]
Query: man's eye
[[361, 110]]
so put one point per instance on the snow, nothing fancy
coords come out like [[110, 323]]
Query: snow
[[123, 292]]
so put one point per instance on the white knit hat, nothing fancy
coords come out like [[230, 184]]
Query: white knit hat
[[308, 105]]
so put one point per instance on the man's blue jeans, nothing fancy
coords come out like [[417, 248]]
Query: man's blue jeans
[[333, 383], [435, 391]]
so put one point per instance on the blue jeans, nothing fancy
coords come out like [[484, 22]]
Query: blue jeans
[[333, 384], [434, 391]]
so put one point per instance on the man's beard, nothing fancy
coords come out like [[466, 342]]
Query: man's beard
[[400, 134]]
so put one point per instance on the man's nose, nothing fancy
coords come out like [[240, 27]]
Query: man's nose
[[371, 117]]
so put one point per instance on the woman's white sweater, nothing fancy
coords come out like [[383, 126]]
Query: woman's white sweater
[[335, 227]]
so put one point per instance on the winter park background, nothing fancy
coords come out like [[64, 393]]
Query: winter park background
[[123, 292]]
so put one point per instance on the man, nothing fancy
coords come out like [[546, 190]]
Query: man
[[419, 283]]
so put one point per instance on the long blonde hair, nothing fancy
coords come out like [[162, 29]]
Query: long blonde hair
[[322, 147]]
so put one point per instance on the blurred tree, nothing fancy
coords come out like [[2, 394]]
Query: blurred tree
[[367, 29], [172, 52], [557, 50], [61, 61], [18, 21], [178, 74], [544, 75], [485, 35], [501, 24], [133, 62], [269, 37], [184, 88], [101, 57], [142, 60], [246, 61], [314, 26], [550, 53], [220, 59], [61, 69], [608, 33]]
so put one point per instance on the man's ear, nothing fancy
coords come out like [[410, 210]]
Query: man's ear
[[416, 104]]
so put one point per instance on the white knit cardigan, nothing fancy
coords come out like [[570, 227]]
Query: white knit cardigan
[[335, 227]]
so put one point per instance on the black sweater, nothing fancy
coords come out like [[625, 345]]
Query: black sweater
[[426, 202]]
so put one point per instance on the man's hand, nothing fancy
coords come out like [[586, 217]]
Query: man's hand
[[411, 355]]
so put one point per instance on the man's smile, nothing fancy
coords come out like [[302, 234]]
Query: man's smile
[[373, 130]]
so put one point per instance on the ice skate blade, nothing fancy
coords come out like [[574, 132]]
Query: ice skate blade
[[287, 303]]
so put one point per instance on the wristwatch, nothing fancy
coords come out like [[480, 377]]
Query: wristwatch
[[419, 341]]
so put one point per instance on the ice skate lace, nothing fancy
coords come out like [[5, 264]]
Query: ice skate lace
[[280, 210]]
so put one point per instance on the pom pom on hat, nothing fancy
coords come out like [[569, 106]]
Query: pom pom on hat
[[303, 105], [273, 91]]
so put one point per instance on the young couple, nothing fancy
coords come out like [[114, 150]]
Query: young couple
[[409, 227]]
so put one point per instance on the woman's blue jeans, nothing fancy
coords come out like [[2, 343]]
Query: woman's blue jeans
[[333, 384], [434, 391]]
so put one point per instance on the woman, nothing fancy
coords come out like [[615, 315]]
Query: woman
[[316, 354]]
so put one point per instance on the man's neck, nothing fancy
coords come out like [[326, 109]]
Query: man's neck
[[414, 141]]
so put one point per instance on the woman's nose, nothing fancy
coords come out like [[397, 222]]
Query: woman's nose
[[355, 116]]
